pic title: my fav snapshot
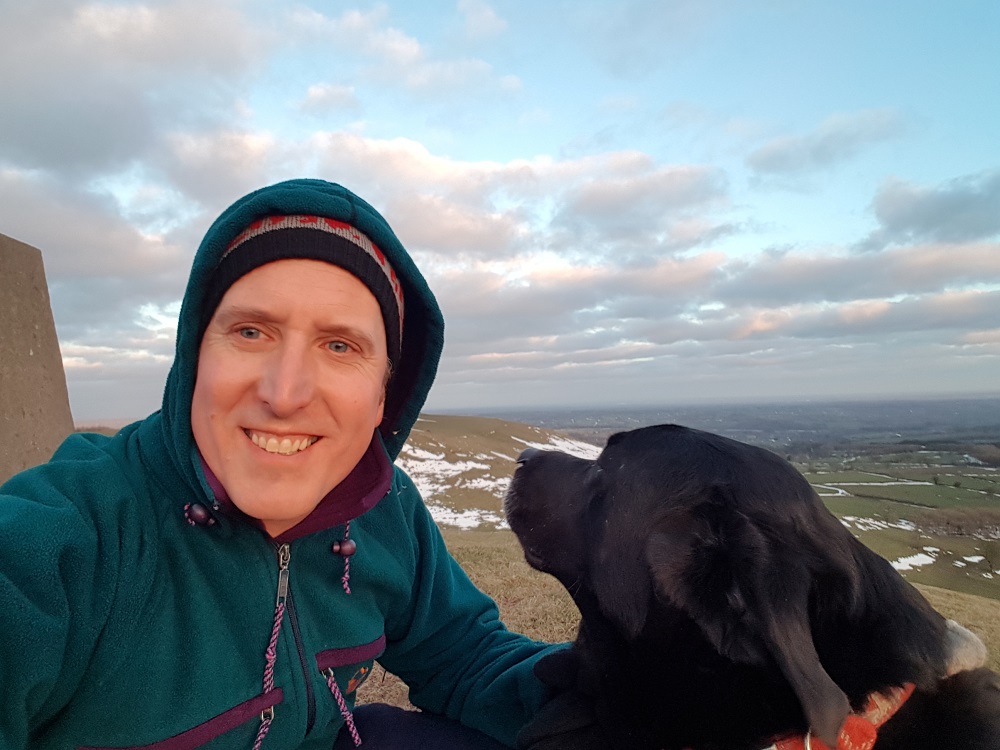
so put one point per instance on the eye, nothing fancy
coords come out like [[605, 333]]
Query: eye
[[338, 346], [249, 333]]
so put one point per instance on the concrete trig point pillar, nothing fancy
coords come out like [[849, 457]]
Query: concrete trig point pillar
[[34, 404]]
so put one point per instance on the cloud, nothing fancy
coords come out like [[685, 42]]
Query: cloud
[[966, 209], [85, 73], [214, 167], [481, 21], [492, 237], [392, 58], [327, 97], [642, 204], [872, 319], [838, 275], [835, 140], [902, 348], [81, 234], [132, 124], [539, 296], [183, 35]]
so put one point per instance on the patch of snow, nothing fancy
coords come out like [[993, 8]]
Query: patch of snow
[[913, 561], [875, 524], [974, 558], [958, 564], [438, 468], [498, 486], [572, 447], [465, 519], [420, 454]]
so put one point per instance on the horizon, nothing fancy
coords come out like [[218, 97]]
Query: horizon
[[652, 407]]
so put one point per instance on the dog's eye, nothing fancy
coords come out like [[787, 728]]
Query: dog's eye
[[527, 454]]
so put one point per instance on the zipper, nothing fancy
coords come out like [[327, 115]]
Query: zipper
[[285, 595], [284, 557]]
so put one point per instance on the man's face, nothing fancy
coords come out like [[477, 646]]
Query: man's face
[[290, 387]]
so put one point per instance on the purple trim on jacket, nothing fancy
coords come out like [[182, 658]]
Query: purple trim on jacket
[[358, 493], [213, 728], [338, 657]]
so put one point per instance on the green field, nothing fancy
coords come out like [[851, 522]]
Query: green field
[[902, 512]]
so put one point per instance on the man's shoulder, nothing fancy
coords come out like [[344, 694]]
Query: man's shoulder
[[88, 471], [402, 509]]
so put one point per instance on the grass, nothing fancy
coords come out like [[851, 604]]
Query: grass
[[530, 602], [536, 605], [928, 495], [944, 486], [864, 507]]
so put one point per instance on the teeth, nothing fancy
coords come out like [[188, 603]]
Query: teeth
[[284, 446]]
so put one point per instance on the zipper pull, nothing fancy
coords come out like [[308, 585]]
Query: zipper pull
[[284, 555]]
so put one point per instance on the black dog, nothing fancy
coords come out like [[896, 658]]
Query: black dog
[[724, 608]]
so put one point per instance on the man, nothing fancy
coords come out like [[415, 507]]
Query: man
[[226, 571]]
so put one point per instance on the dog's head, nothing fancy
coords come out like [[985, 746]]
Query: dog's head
[[726, 534]]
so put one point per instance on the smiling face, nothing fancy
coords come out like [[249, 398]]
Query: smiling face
[[290, 387]]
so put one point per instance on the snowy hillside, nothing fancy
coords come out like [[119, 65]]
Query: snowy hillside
[[463, 465]]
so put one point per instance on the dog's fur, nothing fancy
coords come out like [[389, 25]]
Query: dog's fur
[[723, 606]]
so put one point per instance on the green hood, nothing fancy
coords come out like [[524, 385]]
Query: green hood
[[423, 334]]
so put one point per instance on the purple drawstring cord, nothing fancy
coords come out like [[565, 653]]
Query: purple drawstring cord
[[345, 579], [271, 655], [345, 548], [331, 682]]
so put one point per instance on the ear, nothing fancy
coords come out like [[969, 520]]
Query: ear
[[620, 575], [723, 573], [789, 639]]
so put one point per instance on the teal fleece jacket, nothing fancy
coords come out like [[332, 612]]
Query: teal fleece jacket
[[138, 607]]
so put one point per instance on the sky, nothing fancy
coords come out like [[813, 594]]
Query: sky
[[630, 202]]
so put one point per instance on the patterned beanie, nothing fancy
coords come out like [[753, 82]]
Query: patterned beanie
[[312, 238]]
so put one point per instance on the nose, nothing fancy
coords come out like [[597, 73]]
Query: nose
[[288, 382], [528, 454]]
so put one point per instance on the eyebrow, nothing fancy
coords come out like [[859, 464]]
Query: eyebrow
[[226, 316]]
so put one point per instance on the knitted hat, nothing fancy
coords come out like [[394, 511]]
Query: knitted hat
[[312, 238]]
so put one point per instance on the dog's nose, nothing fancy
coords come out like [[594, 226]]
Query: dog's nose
[[527, 454]]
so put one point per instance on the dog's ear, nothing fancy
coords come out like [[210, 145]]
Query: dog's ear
[[621, 579], [751, 602], [789, 640]]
